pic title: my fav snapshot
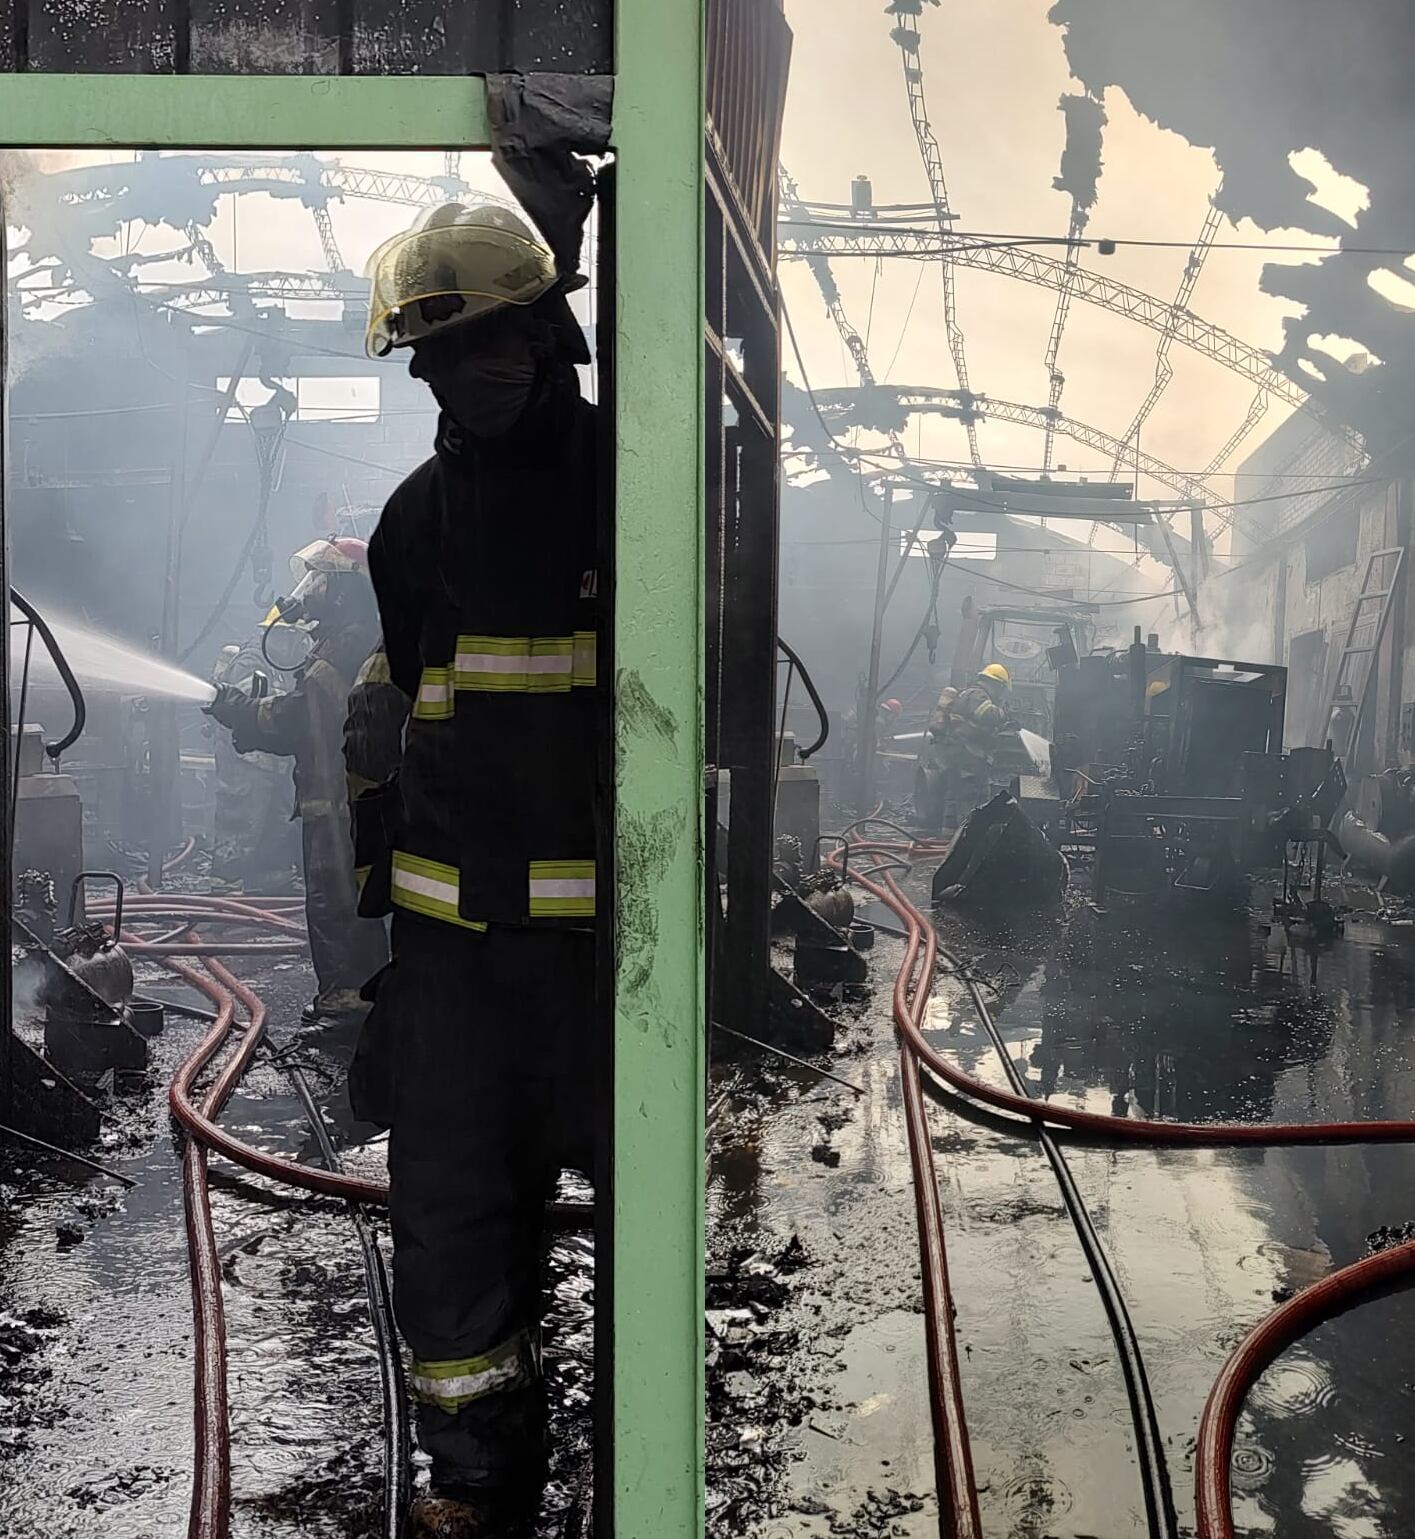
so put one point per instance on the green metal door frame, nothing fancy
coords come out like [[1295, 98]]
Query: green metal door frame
[[657, 1483]]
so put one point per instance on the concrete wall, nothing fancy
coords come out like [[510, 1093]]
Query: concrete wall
[[1278, 588]]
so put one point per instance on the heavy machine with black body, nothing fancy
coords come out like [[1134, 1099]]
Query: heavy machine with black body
[[1172, 772]]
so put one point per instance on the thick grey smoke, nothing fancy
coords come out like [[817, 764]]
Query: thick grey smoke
[[1236, 623], [1081, 162], [1259, 82]]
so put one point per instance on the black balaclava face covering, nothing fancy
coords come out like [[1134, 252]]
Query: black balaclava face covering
[[485, 390]]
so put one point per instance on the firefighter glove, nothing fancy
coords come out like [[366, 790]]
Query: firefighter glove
[[226, 705]]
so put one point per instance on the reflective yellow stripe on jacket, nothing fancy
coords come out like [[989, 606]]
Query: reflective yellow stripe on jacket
[[584, 671], [527, 665], [536, 665], [559, 889], [429, 888], [562, 889], [434, 702]]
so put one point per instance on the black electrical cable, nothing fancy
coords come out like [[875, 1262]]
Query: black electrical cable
[[1139, 598], [1154, 1469], [794, 658], [929, 614], [957, 240], [66, 673], [397, 1438], [841, 449], [19, 737]]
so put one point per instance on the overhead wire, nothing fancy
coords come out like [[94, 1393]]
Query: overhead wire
[[904, 329], [981, 498]]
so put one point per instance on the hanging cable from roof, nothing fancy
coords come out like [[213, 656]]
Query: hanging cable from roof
[[1080, 176]]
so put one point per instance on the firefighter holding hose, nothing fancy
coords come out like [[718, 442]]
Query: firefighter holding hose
[[333, 599], [478, 1052], [964, 727]]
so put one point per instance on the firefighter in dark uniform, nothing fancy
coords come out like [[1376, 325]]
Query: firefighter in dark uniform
[[334, 595], [963, 730], [373, 748], [478, 1051], [373, 729]]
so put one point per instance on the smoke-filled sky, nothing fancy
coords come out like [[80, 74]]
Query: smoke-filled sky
[[993, 76]]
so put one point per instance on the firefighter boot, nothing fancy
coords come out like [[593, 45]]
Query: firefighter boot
[[465, 1515]]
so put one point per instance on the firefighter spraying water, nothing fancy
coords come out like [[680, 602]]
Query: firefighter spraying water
[[331, 603]]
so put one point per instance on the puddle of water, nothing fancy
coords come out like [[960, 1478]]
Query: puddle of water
[[96, 1440], [1182, 1014]]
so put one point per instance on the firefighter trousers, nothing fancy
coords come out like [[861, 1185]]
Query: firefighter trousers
[[479, 1054], [346, 951]]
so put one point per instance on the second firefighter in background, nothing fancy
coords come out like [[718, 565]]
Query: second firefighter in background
[[962, 741], [333, 599]]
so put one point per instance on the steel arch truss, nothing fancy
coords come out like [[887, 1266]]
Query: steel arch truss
[[1160, 315], [845, 406]]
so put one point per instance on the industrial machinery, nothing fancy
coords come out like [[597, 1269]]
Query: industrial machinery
[[1034, 645], [1171, 770]]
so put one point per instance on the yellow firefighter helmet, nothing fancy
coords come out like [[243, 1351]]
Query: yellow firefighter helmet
[[456, 264]]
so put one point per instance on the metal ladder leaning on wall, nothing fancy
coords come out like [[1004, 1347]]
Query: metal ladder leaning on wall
[[1356, 663]]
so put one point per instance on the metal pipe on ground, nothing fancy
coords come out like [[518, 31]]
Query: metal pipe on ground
[[1392, 860]]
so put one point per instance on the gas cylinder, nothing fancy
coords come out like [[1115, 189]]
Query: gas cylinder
[[97, 960]]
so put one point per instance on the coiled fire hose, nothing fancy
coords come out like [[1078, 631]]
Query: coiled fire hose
[[1257, 1351]]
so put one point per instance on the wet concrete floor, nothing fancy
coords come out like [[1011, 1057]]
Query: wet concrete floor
[[1178, 1012], [95, 1320]]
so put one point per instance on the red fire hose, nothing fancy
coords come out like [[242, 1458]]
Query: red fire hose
[[180, 857], [1127, 1129], [953, 1457], [211, 1494], [1254, 1354], [234, 914], [210, 1512]]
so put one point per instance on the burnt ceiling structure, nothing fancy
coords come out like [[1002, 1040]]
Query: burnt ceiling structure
[[1257, 82]]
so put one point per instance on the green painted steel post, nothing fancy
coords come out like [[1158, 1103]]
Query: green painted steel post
[[232, 112], [659, 1036]]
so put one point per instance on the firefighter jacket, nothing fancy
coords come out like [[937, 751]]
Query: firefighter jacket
[[307, 722], [970, 718], [373, 729], [240, 670], [373, 748], [485, 567]]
